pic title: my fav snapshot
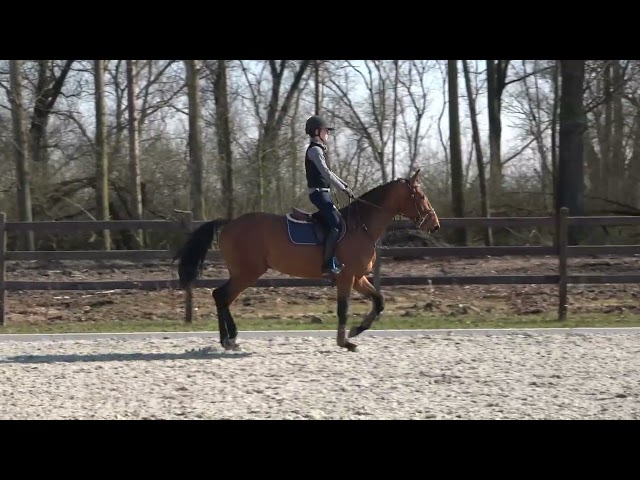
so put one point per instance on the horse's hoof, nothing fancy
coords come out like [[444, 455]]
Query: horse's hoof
[[231, 345], [352, 347]]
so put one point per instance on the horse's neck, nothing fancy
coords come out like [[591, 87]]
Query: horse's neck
[[377, 220]]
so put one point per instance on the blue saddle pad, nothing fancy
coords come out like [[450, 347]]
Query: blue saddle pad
[[308, 233]]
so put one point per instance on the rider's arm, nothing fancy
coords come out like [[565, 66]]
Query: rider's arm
[[316, 155]]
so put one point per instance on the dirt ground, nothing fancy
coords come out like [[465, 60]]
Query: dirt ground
[[82, 306]]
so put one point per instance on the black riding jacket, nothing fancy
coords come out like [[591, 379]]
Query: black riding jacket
[[319, 176]]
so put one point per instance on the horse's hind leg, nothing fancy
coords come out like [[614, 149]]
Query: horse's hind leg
[[226, 324], [224, 297], [363, 286]]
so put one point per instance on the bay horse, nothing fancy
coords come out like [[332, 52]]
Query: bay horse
[[256, 241]]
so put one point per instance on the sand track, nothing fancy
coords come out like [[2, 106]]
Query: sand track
[[513, 376]]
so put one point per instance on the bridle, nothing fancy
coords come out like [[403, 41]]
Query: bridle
[[420, 217], [417, 220]]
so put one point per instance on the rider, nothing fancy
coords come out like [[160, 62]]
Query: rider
[[319, 180]]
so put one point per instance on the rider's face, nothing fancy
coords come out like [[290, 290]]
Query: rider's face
[[324, 134]]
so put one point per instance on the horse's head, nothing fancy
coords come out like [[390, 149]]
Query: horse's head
[[415, 205]]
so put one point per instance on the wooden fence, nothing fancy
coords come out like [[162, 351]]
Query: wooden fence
[[561, 249]]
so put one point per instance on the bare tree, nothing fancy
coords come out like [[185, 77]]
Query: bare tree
[[271, 124], [572, 127], [102, 160], [496, 81], [613, 155], [223, 130], [634, 163], [317, 66], [351, 156], [48, 89], [134, 148], [534, 104], [413, 116], [120, 124], [395, 119], [607, 85], [445, 104], [457, 183], [20, 148], [195, 140], [554, 129], [162, 84], [484, 200], [375, 128]]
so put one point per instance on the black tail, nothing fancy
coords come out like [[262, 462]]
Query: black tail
[[193, 253]]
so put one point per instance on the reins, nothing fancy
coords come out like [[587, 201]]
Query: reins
[[368, 203]]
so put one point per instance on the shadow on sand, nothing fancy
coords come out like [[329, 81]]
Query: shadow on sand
[[206, 353]]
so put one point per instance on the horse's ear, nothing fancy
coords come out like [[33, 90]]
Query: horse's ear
[[414, 178]]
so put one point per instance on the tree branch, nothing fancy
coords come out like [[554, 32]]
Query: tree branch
[[534, 72], [57, 85]]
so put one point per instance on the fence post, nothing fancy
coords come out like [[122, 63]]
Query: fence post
[[563, 241], [3, 249], [188, 293]]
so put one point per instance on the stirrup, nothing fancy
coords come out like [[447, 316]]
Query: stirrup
[[336, 267]]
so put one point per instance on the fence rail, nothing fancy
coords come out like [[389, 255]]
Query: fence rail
[[561, 249]]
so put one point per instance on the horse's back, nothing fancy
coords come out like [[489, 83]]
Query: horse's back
[[254, 227], [257, 220]]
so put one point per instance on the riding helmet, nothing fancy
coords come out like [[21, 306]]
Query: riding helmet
[[315, 123]]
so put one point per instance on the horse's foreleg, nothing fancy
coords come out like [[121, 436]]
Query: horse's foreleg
[[344, 285], [363, 286]]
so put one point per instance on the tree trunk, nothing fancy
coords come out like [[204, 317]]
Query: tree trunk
[[496, 74], [261, 171], [293, 152], [484, 201], [134, 149], [223, 129], [38, 130], [48, 89], [21, 151], [395, 122], [572, 127], [116, 157], [535, 111], [276, 114], [317, 92], [634, 164], [617, 139], [554, 130], [46, 95], [457, 192], [195, 141], [606, 185], [102, 160]]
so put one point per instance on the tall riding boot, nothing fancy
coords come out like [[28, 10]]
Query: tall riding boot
[[329, 263]]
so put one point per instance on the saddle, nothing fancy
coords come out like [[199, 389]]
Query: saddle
[[307, 228], [302, 216]]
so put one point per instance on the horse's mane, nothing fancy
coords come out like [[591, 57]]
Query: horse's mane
[[376, 196]]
